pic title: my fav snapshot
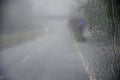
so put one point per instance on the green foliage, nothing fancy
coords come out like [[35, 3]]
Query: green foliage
[[99, 13], [107, 4]]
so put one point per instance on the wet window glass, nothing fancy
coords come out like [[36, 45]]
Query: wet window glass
[[59, 39]]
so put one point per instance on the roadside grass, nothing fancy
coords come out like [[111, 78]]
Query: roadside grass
[[7, 40]]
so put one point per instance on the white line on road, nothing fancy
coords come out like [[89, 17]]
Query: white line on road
[[25, 59], [84, 62]]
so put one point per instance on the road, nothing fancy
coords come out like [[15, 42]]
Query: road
[[53, 55], [50, 57]]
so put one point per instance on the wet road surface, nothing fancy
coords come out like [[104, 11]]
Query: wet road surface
[[51, 56]]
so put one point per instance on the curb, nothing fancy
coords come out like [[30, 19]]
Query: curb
[[84, 62]]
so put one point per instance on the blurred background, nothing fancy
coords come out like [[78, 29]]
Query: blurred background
[[59, 40]]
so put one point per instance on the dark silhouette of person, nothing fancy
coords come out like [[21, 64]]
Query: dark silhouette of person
[[81, 26]]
